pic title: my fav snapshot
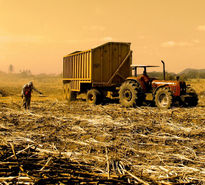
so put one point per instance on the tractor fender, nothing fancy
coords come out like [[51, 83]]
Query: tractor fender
[[132, 80]]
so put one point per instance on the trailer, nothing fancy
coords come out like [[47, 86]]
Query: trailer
[[96, 73]]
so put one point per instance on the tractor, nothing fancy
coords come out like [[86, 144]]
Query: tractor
[[163, 93]]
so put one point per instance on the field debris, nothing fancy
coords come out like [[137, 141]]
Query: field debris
[[3, 93], [77, 143]]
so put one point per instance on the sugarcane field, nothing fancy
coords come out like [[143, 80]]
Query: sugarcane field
[[102, 92], [75, 142]]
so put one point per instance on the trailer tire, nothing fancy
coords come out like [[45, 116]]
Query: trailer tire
[[163, 98], [130, 94], [93, 96], [65, 91], [68, 93]]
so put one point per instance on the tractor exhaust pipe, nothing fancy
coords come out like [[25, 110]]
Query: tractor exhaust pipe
[[163, 69]]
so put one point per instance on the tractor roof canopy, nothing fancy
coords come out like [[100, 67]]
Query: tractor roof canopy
[[142, 66], [136, 66]]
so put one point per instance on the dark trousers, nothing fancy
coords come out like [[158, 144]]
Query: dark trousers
[[26, 102]]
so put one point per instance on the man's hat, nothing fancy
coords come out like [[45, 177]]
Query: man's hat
[[30, 83]]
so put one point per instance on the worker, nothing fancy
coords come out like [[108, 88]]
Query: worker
[[145, 80], [26, 94]]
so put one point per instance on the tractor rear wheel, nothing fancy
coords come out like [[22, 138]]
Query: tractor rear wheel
[[163, 98], [130, 94], [93, 97]]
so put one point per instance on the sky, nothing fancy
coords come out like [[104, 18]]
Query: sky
[[36, 34]]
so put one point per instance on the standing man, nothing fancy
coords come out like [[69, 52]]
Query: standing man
[[26, 94]]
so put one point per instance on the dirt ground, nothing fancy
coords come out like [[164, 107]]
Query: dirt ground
[[77, 143]]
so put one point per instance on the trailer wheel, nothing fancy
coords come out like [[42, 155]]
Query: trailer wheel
[[68, 94], [65, 91], [130, 94], [93, 96], [163, 98]]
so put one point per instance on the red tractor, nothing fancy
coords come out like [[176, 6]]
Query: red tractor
[[164, 93]]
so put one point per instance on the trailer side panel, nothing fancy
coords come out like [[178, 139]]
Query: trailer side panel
[[110, 65], [77, 69]]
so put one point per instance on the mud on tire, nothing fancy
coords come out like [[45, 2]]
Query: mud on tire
[[130, 94], [163, 98], [93, 97]]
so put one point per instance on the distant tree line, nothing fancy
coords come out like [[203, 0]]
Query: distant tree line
[[25, 73], [159, 75], [184, 75], [193, 74]]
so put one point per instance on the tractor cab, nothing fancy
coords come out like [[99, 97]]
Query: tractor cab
[[135, 68], [143, 79]]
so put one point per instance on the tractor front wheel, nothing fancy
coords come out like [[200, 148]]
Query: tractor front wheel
[[163, 98]]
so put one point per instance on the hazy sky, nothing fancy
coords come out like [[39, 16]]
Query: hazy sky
[[36, 34]]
